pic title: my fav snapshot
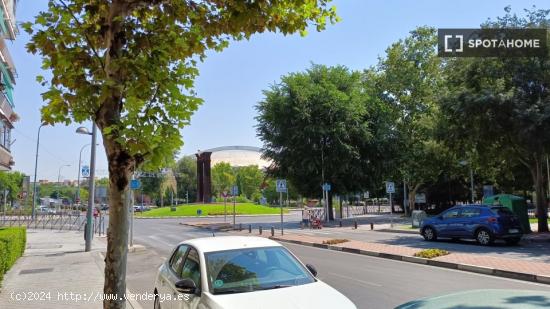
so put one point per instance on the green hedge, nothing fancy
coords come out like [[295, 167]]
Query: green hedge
[[12, 246]]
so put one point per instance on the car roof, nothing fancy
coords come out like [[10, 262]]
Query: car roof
[[483, 298], [221, 243]]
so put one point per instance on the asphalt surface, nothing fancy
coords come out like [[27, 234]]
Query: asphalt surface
[[369, 282], [538, 252]]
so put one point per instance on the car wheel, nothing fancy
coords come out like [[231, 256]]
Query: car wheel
[[512, 241], [429, 234], [484, 237], [157, 302]]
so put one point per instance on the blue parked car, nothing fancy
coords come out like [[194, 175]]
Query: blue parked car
[[483, 223]]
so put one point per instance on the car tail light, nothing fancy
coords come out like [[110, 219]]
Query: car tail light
[[491, 219]]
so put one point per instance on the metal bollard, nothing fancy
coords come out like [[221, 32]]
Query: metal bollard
[[355, 224], [240, 227], [371, 226], [340, 223], [272, 231], [260, 230], [249, 228]]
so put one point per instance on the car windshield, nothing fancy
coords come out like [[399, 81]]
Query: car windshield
[[247, 270], [502, 211]]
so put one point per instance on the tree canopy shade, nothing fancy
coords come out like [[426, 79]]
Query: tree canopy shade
[[129, 66], [501, 107], [318, 126], [410, 80]]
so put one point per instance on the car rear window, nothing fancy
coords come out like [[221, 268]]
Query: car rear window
[[502, 211]]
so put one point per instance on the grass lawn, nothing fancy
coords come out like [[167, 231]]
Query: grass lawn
[[535, 220], [211, 209]]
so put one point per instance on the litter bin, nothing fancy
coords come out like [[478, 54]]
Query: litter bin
[[516, 204]]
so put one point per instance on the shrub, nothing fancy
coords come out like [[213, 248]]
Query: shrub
[[334, 241], [431, 253], [12, 246]]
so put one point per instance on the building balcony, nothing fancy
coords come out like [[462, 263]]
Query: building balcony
[[6, 111], [8, 6], [6, 59]]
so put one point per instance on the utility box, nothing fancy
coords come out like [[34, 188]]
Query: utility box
[[516, 204]]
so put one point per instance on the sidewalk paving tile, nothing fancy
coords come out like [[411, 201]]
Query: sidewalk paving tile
[[55, 272]]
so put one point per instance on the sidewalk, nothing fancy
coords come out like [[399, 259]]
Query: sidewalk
[[502, 267], [497, 266], [55, 272]]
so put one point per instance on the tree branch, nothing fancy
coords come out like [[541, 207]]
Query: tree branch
[[85, 35]]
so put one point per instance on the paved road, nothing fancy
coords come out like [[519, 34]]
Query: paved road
[[532, 251], [369, 282]]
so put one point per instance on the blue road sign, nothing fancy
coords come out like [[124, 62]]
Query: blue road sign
[[327, 187], [85, 170], [235, 190], [135, 184], [390, 187], [281, 185]]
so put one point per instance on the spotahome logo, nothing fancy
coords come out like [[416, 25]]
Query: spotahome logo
[[492, 42]]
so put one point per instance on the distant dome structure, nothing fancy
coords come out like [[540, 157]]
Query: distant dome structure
[[237, 156]]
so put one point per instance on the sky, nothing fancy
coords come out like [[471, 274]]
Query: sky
[[231, 82]]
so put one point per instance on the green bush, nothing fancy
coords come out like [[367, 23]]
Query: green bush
[[431, 253], [12, 246]]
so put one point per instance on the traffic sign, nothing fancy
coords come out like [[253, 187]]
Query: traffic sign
[[224, 194], [326, 187], [390, 187], [281, 185], [366, 194], [420, 198], [235, 190], [85, 171], [135, 184]]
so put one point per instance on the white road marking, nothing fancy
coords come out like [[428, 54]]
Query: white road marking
[[357, 280]]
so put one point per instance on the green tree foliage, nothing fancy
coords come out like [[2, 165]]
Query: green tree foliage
[[249, 179], [317, 127], [499, 107], [410, 81], [129, 66], [12, 182], [223, 178], [186, 175]]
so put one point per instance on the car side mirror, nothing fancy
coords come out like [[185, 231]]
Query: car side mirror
[[186, 286], [312, 269]]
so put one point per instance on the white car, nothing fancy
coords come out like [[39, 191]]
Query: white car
[[240, 272]]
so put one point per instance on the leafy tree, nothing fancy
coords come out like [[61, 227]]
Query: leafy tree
[[129, 66], [411, 82], [151, 185], [500, 105], [223, 177], [12, 182], [170, 183], [316, 128], [249, 179], [186, 175]]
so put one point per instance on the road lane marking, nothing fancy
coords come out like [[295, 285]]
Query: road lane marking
[[357, 280]]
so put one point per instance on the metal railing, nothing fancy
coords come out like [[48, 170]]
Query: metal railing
[[72, 221]]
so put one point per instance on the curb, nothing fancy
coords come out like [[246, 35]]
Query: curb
[[398, 231], [436, 263]]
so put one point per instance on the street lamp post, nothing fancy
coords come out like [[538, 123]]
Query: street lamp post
[[78, 177], [91, 188], [35, 169], [464, 163], [59, 180]]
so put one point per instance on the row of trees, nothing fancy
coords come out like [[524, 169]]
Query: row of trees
[[413, 117]]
